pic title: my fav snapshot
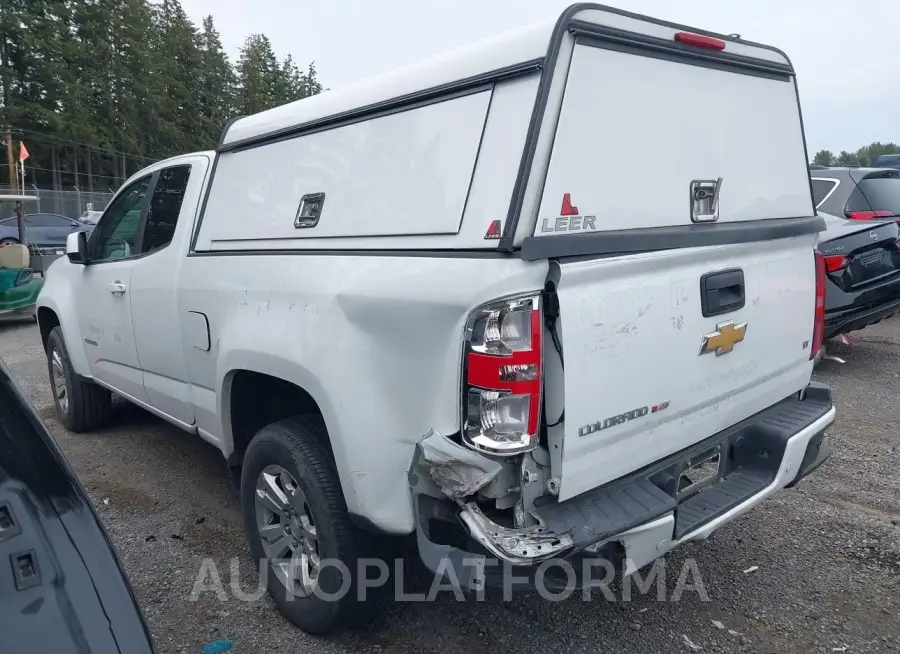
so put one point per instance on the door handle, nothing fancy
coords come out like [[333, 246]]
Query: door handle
[[117, 288], [721, 292]]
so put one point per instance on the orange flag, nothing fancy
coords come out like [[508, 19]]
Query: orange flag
[[23, 152]]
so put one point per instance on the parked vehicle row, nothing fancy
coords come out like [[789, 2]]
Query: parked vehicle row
[[861, 207]]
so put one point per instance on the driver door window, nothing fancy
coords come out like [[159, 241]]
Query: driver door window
[[116, 235]]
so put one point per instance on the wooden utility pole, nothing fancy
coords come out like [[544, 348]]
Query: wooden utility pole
[[10, 160]]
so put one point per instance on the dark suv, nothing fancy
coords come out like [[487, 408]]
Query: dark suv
[[888, 161], [857, 193]]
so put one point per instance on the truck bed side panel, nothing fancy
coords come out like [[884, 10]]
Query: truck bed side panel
[[375, 340]]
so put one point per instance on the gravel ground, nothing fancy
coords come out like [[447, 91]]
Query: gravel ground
[[828, 551]]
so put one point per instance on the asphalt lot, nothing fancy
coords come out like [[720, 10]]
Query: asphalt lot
[[827, 553]]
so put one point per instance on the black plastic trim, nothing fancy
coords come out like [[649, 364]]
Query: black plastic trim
[[228, 123], [817, 453], [434, 95], [609, 38], [713, 282], [672, 52], [655, 239], [433, 253], [559, 31], [847, 321], [13, 529], [25, 582]]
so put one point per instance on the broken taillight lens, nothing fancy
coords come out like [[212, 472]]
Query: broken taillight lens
[[502, 385]]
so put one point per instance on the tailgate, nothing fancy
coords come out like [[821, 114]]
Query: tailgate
[[639, 382]]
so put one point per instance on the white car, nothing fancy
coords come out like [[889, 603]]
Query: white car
[[455, 302]]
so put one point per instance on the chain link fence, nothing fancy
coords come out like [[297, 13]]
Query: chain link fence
[[71, 202]]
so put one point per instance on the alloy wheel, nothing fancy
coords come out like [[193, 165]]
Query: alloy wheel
[[287, 530], [58, 381]]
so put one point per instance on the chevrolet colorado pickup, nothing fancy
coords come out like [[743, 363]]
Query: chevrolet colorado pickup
[[454, 304]]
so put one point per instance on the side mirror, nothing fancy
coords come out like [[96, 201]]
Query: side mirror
[[76, 247]]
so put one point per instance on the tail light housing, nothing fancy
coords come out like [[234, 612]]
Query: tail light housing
[[818, 339], [501, 396], [836, 262], [869, 215]]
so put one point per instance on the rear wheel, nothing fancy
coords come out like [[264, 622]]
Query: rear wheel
[[81, 405], [298, 527], [8, 241]]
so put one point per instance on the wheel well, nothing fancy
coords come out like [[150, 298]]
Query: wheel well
[[47, 320], [258, 400]]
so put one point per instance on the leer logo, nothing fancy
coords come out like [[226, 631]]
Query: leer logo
[[569, 219]]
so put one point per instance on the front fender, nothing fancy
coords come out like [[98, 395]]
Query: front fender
[[58, 295]]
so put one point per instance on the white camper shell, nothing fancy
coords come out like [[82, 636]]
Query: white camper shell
[[550, 295], [608, 107]]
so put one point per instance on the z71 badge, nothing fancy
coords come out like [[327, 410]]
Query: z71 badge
[[600, 425]]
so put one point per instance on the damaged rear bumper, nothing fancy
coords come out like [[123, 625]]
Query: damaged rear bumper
[[629, 522]]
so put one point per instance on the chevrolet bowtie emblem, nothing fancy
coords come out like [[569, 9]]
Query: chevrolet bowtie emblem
[[722, 340]]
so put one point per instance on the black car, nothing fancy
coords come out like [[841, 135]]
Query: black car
[[62, 588], [862, 271], [857, 193]]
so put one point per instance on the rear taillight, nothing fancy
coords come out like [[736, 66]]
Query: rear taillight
[[835, 263], [502, 385], [818, 339], [700, 41], [869, 215]]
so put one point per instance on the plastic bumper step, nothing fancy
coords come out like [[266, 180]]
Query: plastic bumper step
[[750, 455]]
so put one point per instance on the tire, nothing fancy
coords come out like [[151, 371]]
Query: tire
[[83, 405], [9, 241], [296, 446]]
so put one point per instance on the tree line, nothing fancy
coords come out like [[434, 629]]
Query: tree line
[[862, 158], [97, 89]]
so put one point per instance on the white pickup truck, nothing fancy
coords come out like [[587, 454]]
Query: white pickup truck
[[552, 296]]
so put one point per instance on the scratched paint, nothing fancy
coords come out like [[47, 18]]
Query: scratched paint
[[632, 329]]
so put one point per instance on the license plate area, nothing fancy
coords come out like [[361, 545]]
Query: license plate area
[[700, 472], [870, 266]]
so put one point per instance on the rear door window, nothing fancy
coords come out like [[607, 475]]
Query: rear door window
[[165, 206], [821, 189], [882, 191]]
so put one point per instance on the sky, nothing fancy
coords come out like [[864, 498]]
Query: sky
[[846, 54]]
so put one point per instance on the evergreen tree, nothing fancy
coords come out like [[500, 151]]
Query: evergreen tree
[[261, 84], [217, 83], [100, 88]]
